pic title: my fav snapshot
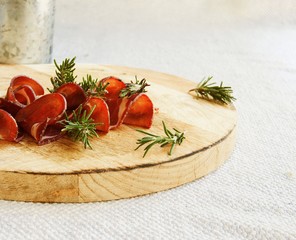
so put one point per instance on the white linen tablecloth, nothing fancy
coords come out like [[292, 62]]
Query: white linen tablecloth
[[249, 45]]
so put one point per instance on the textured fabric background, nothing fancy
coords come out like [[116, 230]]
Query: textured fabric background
[[251, 46]]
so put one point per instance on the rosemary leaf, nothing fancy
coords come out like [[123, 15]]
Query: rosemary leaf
[[92, 87], [64, 73], [134, 87], [211, 91], [170, 138], [80, 127]]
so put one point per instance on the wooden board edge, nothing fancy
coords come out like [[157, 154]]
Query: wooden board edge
[[114, 185]]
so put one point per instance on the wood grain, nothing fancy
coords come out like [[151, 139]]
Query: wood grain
[[64, 171]]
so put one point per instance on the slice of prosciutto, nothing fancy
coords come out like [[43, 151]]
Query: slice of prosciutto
[[140, 111], [100, 114], [136, 110], [73, 93], [116, 105], [23, 90], [8, 128], [40, 117], [9, 107]]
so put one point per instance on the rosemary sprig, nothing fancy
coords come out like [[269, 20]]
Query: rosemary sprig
[[210, 91], [80, 127], [170, 138], [134, 87], [92, 87], [64, 73]]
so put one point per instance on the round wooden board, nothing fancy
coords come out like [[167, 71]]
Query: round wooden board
[[64, 171]]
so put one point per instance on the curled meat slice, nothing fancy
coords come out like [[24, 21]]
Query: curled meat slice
[[9, 107], [100, 113], [73, 93], [45, 133], [8, 127], [115, 85], [24, 80], [22, 95], [121, 113], [114, 102], [39, 118], [140, 112], [23, 90]]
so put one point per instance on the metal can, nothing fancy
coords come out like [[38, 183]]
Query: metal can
[[26, 31]]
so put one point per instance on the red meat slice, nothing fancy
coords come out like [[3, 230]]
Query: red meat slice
[[9, 107], [140, 112], [21, 96], [39, 118], [73, 93], [23, 90], [100, 114], [121, 112], [24, 80], [8, 128], [113, 100], [115, 85]]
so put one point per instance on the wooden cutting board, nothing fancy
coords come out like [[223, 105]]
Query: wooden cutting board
[[64, 171]]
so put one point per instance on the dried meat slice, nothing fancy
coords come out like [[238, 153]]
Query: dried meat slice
[[9, 107], [8, 128], [51, 133], [122, 111], [114, 102], [45, 133], [39, 118], [23, 90], [24, 80], [100, 113], [21, 96], [73, 93], [115, 85], [136, 110], [140, 112]]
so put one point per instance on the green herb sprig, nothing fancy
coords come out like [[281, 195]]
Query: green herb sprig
[[92, 87], [80, 127], [134, 87], [211, 91], [170, 137], [64, 73]]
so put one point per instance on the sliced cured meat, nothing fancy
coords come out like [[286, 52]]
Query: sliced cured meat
[[23, 90], [50, 106], [42, 113], [115, 85], [73, 93], [121, 112], [46, 133], [140, 112], [100, 113], [21, 96], [9, 107], [8, 128], [24, 80]]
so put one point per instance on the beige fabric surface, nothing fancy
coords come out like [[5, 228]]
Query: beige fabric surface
[[249, 45]]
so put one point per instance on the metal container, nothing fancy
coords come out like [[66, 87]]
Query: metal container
[[26, 31]]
